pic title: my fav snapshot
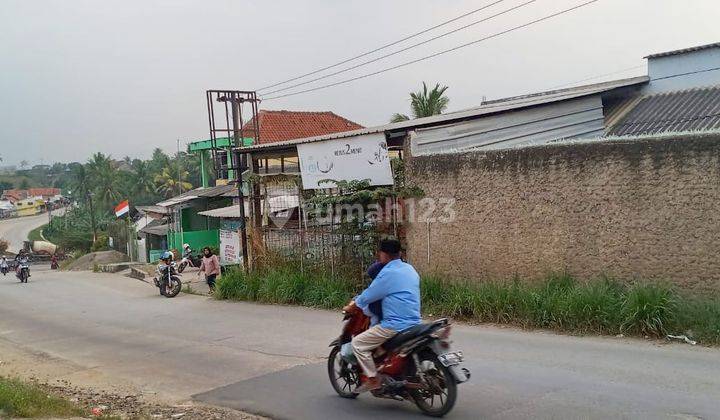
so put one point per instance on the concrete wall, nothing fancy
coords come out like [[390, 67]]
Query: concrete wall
[[634, 209]]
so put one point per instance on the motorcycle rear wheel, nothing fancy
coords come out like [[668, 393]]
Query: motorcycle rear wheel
[[343, 376], [439, 400], [175, 287], [181, 267]]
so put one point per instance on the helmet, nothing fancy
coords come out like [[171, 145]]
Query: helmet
[[167, 255], [186, 246]]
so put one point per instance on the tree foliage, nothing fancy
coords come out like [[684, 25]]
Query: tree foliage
[[425, 103]]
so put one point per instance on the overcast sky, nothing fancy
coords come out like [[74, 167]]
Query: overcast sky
[[123, 77]]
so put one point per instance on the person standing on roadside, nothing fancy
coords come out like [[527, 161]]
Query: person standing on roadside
[[210, 266]]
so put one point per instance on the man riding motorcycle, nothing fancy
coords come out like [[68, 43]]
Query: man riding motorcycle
[[22, 256], [397, 285], [187, 251], [3, 265]]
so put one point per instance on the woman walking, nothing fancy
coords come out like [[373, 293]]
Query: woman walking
[[210, 266]]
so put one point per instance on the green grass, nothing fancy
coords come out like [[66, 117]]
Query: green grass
[[36, 234], [24, 400], [285, 285], [557, 302]]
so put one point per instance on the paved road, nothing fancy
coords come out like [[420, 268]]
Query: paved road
[[16, 230], [269, 359]]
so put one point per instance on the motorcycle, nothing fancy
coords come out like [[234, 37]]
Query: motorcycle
[[4, 269], [188, 260], [416, 365], [167, 280], [23, 270]]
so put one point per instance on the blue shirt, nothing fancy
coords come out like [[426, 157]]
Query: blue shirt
[[398, 285]]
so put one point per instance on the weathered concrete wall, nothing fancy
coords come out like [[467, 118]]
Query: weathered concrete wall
[[645, 209]]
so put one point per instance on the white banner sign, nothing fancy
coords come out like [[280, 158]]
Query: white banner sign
[[230, 247], [352, 158]]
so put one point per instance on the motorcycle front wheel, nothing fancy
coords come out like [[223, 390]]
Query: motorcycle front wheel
[[173, 289], [181, 267], [343, 375], [441, 393]]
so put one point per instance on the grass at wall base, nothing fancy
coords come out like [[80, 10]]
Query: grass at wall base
[[556, 302]]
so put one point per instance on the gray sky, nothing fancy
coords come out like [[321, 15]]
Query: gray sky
[[123, 77]]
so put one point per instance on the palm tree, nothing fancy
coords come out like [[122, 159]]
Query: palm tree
[[167, 182], [80, 182], [103, 178], [143, 181], [425, 103], [81, 186]]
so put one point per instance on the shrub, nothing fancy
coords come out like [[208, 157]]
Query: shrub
[[4, 246], [102, 243]]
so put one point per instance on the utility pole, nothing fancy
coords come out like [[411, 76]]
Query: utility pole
[[237, 134], [179, 181], [92, 217], [232, 101]]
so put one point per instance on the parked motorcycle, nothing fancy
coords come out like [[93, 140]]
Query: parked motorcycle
[[167, 280], [22, 271], [416, 365], [186, 261]]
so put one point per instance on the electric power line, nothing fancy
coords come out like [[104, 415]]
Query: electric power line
[[596, 77], [688, 73], [365, 63], [467, 44], [382, 47]]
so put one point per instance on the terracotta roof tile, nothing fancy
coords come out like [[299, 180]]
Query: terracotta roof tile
[[288, 125]]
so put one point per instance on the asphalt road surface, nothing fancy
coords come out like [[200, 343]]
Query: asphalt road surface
[[270, 359], [16, 230]]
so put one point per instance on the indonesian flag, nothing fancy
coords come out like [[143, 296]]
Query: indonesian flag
[[122, 208]]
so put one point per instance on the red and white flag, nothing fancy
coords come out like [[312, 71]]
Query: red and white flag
[[122, 208]]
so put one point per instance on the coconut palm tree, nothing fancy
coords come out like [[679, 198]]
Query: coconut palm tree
[[425, 103], [104, 178], [81, 187], [167, 182], [143, 180]]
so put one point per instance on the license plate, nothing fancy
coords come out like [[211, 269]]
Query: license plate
[[451, 359]]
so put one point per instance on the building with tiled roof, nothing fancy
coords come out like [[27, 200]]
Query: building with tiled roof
[[14, 195], [287, 125], [45, 193]]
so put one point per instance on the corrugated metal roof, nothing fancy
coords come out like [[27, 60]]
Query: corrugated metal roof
[[489, 107], [275, 204], [686, 110], [220, 190], [156, 227], [684, 50], [229, 212], [153, 209]]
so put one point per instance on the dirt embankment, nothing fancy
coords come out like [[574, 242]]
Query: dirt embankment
[[89, 261]]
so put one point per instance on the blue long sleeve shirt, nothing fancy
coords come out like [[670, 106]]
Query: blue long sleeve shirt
[[398, 285]]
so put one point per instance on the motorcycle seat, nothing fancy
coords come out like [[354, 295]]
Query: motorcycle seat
[[411, 333]]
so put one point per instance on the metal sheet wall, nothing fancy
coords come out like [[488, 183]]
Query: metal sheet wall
[[576, 118]]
